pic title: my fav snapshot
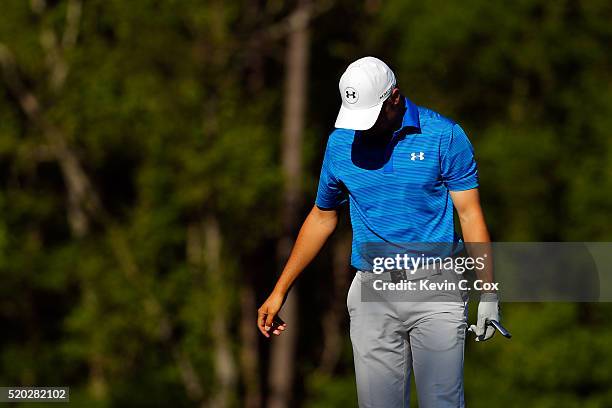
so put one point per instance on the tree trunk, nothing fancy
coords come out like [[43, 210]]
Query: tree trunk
[[225, 369], [282, 360], [248, 351], [204, 247]]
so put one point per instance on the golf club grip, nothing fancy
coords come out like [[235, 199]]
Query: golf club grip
[[501, 329]]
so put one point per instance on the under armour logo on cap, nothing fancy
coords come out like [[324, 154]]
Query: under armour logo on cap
[[351, 95]]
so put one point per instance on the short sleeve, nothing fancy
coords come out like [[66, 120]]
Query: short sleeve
[[331, 193], [458, 166]]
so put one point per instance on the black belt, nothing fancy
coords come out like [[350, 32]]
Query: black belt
[[396, 275]]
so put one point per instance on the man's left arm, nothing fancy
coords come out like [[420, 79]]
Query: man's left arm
[[478, 244], [474, 229]]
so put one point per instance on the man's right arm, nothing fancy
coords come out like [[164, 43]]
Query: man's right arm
[[315, 231]]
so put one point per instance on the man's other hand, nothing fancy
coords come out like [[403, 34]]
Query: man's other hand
[[488, 309], [267, 312]]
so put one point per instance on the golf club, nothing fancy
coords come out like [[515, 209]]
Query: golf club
[[498, 326]]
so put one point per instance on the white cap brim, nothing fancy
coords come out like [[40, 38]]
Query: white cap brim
[[358, 119]]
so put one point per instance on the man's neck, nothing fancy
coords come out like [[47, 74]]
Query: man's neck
[[377, 138], [383, 136]]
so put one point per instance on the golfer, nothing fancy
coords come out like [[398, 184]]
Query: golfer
[[402, 168]]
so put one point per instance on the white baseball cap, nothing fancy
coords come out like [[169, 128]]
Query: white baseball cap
[[364, 86]]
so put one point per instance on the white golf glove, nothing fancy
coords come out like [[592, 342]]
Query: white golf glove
[[488, 309]]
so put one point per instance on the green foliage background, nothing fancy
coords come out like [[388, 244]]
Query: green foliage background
[[174, 109]]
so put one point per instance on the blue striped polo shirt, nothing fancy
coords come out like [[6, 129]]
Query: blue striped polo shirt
[[398, 192]]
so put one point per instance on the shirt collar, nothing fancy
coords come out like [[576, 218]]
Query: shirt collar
[[411, 116]]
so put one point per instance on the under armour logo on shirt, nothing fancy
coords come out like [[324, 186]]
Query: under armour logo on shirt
[[420, 155]]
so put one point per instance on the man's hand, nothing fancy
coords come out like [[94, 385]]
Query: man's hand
[[267, 312], [317, 227], [488, 309]]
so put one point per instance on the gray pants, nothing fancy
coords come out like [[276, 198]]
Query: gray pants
[[392, 338]]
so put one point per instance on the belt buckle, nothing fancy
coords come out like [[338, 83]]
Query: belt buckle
[[398, 276]]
